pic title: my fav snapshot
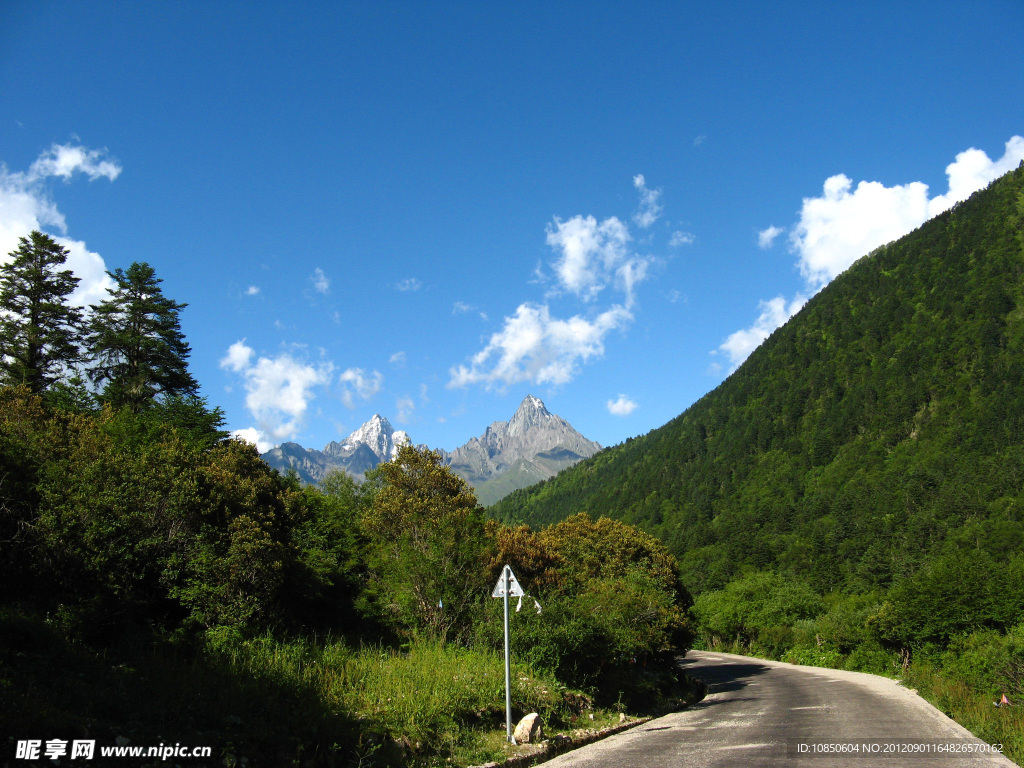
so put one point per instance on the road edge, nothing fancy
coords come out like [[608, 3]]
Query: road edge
[[553, 747]]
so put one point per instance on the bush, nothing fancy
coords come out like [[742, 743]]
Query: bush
[[988, 662], [427, 549], [872, 657], [759, 607], [613, 611], [954, 595], [128, 520], [814, 657]]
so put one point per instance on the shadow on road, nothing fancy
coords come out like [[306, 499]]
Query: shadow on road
[[720, 677]]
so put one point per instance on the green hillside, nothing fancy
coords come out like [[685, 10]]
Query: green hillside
[[879, 429]]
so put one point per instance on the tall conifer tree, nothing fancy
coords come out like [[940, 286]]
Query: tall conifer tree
[[136, 341], [40, 334]]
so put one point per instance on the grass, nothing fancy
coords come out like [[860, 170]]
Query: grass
[[428, 702], [970, 708], [266, 702]]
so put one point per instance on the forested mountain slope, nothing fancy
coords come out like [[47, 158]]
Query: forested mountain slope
[[879, 428]]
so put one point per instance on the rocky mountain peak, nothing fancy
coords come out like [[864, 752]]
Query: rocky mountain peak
[[534, 444], [531, 414]]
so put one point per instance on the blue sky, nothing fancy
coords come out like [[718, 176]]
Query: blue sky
[[429, 210]]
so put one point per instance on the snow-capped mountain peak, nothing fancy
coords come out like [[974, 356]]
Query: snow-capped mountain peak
[[379, 436]]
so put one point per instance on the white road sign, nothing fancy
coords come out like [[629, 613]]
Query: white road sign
[[514, 590]]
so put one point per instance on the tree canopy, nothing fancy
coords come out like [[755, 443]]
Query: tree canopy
[[427, 544], [136, 341], [40, 333]]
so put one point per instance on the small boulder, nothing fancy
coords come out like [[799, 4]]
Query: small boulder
[[530, 729]]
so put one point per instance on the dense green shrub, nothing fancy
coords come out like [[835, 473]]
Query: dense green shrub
[[613, 611], [815, 657], [954, 594], [760, 607], [119, 518], [988, 662], [427, 551]]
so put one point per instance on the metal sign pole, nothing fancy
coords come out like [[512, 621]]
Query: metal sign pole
[[508, 668], [507, 587]]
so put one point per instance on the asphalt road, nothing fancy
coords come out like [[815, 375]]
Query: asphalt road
[[767, 713]]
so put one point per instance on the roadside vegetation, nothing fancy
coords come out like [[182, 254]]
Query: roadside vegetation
[[161, 584]]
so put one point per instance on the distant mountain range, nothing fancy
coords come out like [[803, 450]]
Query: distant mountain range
[[357, 454], [533, 445]]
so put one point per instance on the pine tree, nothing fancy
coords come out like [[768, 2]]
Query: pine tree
[[136, 342], [40, 333]]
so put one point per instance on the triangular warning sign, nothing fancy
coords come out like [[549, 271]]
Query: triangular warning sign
[[514, 590]]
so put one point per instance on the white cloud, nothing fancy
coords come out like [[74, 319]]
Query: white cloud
[[238, 357], [253, 437], [839, 227], [972, 170], [698, 140], [91, 271], [252, 290], [590, 252], [621, 407], [766, 237], [25, 206], [460, 306], [409, 284], [650, 207], [397, 359], [355, 381], [845, 223], [321, 283], [592, 256], [774, 313], [681, 238], [64, 160], [404, 406], [535, 347], [628, 275], [279, 389]]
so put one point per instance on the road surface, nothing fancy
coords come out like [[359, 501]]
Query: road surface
[[767, 713]]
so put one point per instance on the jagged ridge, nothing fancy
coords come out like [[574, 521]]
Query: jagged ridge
[[374, 442], [533, 445]]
